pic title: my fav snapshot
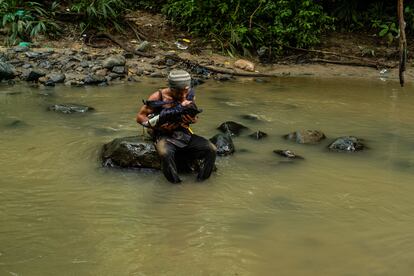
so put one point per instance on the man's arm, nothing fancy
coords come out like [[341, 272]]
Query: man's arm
[[145, 110], [142, 116]]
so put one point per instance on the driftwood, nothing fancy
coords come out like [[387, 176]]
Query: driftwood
[[351, 63], [403, 42], [364, 62]]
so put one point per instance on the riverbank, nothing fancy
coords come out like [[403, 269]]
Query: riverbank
[[106, 59]]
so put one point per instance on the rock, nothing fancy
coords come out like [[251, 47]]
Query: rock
[[84, 64], [130, 152], [250, 117], [101, 72], [232, 127], [143, 46], [70, 108], [16, 124], [347, 144], [45, 64], [128, 55], [57, 77], [258, 135], [49, 82], [119, 69], [170, 62], [115, 75], [288, 154], [133, 79], [158, 75], [196, 81], [26, 66], [158, 60], [33, 55], [32, 75], [223, 143], [305, 136], [223, 77], [6, 71], [42, 79], [20, 49], [93, 79], [113, 61], [244, 65]]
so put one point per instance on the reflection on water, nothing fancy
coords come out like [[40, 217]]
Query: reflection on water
[[329, 214]]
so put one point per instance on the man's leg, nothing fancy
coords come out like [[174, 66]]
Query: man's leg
[[166, 151], [201, 148]]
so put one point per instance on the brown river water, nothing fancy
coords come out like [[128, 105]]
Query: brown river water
[[61, 213]]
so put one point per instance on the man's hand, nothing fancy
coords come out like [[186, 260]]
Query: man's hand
[[186, 102], [187, 119]]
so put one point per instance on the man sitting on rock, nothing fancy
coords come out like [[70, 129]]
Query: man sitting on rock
[[175, 141]]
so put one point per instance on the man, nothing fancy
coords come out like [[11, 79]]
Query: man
[[175, 141]]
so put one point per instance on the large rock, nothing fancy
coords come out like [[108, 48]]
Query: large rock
[[57, 77], [32, 75], [113, 61], [223, 143], [347, 144], [306, 136], [92, 79], [244, 65], [70, 108], [232, 127], [130, 152], [6, 71]]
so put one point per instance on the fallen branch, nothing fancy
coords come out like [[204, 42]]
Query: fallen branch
[[367, 61], [117, 42], [352, 63]]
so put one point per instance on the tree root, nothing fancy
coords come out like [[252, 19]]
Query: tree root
[[116, 41]]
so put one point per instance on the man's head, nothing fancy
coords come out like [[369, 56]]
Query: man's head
[[179, 80]]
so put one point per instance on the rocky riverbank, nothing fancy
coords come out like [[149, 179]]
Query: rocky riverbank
[[77, 64]]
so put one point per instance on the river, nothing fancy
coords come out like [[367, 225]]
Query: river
[[61, 213]]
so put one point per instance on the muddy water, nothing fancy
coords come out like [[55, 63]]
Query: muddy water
[[330, 214]]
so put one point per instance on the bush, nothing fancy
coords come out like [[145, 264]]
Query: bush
[[250, 24], [23, 20], [99, 14]]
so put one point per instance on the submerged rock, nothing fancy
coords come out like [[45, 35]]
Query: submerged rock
[[347, 144], [16, 124], [223, 77], [250, 117], [130, 152], [305, 136], [287, 154], [258, 135], [223, 143], [70, 108], [232, 127], [6, 71]]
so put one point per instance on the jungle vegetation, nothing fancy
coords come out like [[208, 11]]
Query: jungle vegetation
[[243, 26]]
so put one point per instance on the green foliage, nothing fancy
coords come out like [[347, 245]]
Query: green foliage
[[23, 20], [249, 24], [99, 14]]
